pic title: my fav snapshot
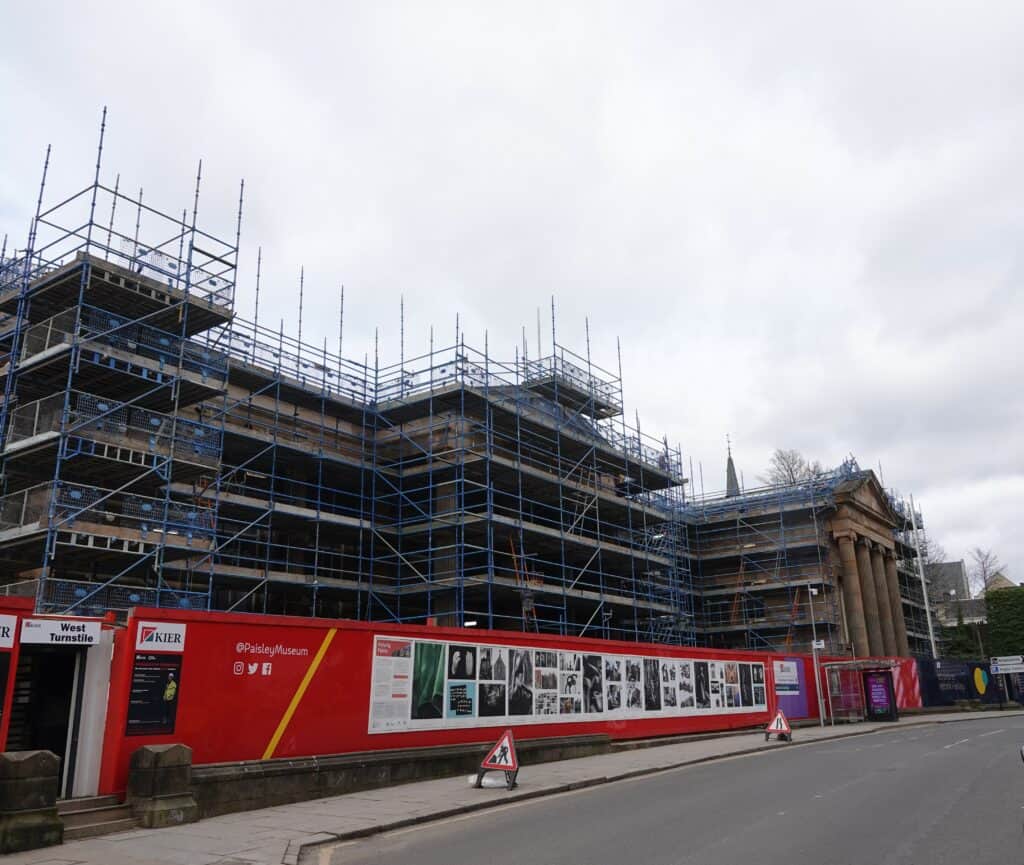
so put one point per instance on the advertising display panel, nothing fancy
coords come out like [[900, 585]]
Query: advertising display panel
[[879, 696]]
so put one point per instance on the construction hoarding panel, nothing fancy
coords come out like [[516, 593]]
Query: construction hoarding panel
[[257, 687]]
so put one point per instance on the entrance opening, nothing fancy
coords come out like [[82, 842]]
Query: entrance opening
[[46, 703]]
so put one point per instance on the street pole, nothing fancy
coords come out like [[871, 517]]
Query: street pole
[[924, 584], [811, 592]]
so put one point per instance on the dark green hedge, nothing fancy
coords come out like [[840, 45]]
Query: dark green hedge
[[1005, 609]]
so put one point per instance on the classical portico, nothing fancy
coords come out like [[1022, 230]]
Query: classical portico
[[864, 547]]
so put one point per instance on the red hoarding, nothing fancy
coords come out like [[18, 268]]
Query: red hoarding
[[243, 687]]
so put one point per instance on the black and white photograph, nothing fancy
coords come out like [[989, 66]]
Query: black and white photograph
[[570, 662], [547, 703], [613, 669], [686, 686], [632, 670], [593, 695], [759, 695], [746, 694], [732, 696], [545, 659], [462, 662], [492, 700], [614, 696], [757, 673], [668, 696], [634, 696], [652, 685], [703, 695], [493, 666], [717, 698], [520, 682], [570, 685]]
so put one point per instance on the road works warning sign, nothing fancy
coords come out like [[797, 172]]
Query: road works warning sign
[[779, 726], [502, 757]]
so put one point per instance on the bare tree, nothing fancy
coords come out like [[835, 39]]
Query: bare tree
[[790, 467], [984, 566]]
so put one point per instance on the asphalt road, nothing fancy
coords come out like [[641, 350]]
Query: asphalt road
[[949, 793]]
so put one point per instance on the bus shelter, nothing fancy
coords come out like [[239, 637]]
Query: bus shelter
[[861, 690]]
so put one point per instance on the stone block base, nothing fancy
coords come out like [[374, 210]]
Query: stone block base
[[29, 830], [164, 811]]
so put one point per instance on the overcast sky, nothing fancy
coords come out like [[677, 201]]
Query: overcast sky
[[803, 220]]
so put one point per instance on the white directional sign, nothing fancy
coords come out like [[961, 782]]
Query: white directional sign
[[60, 632], [1007, 664]]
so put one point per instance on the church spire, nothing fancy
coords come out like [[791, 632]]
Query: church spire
[[732, 485]]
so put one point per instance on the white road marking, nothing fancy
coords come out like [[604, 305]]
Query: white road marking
[[960, 742], [983, 735]]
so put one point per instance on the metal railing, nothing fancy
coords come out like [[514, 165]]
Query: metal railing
[[60, 504], [106, 419]]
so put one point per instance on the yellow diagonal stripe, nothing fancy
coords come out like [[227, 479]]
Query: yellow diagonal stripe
[[298, 695]]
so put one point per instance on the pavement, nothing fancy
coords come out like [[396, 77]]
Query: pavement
[[307, 832]]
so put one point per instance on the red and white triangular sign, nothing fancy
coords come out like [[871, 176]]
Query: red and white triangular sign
[[502, 756], [779, 724]]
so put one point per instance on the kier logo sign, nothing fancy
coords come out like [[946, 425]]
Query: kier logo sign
[[160, 637], [7, 626]]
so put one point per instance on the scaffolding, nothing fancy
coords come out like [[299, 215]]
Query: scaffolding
[[764, 570], [159, 450], [911, 543]]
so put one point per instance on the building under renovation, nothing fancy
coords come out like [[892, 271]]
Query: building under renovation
[[159, 450], [832, 557]]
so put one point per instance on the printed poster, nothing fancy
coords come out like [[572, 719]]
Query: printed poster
[[153, 699], [391, 686], [439, 684]]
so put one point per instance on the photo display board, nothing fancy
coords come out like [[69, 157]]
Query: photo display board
[[436, 684]]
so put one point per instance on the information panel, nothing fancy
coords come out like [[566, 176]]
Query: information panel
[[431, 684], [787, 677]]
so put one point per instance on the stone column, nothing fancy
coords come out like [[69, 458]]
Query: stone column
[[852, 597], [896, 602], [870, 593], [885, 613]]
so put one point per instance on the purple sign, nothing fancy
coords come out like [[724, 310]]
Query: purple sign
[[876, 687], [792, 691]]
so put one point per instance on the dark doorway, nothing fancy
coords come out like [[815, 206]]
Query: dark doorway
[[41, 712]]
